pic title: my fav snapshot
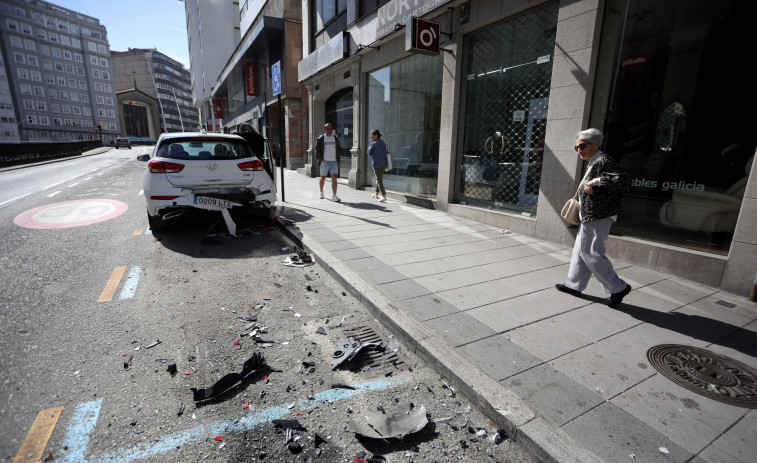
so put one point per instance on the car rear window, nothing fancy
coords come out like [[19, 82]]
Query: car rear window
[[204, 148]]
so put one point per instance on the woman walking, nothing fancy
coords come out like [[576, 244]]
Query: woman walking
[[600, 195], [377, 150]]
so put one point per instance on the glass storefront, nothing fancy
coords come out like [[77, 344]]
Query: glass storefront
[[404, 103], [507, 72], [339, 115], [665, 75]]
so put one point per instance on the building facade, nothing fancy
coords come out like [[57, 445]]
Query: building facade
[[57, 71], [160, 77], [485, 128], [244, 90], [213, 33]]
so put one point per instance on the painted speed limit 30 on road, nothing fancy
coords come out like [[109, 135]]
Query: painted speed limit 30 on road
[[71, 213]]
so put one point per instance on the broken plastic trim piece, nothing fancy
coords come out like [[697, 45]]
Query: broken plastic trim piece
[[403, 420], [254, 364]]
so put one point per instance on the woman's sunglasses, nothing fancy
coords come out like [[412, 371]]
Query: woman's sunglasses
[[579, 146]]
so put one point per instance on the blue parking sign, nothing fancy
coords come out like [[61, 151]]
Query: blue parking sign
[[276, 77]]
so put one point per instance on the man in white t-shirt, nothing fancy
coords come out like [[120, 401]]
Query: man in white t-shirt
[[327, 151]]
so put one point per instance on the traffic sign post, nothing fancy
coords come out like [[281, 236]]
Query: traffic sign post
[[276, 83]]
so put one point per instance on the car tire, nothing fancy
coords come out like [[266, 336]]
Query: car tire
[[156, 223]]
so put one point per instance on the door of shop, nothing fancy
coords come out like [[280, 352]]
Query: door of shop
[[508, 68], [339, 114]]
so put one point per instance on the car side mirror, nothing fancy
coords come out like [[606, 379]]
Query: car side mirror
[[143, 157]]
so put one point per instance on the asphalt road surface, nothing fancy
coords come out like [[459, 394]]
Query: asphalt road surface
[[108, 328]]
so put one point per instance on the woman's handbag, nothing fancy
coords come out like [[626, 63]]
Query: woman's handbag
[[388, 162], [570, 211]]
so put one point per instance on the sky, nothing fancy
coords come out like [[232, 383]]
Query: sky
[[157, 24]]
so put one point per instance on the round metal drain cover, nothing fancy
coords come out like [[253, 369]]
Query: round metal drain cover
[[712, 375]]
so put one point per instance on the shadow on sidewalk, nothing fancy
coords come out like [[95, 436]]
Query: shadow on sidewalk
[[696, 326], [300, 215]]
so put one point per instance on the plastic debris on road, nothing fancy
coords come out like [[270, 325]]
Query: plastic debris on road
[[254, 364], [400, 421]]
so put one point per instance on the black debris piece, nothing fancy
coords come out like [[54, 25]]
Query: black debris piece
[[295, 447], [191, 357], [254, 364], [171, 369], [287, 424], [376, 459], [304, 257], [181, 409], [321, 330], [309, 288], [127, 364], [402, 420], [342, 386], [153, 344], [250, 318], [308, 364], [319, 440]]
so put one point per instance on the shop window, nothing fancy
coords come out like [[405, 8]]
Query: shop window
[[662, 96], [329, 17], [404, 103], [505, 97], [368, 6], [340, 115]]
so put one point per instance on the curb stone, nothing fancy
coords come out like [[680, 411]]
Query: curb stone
[[506, 410]]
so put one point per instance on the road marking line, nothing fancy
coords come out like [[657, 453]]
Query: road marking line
[[14, 199], [130, 285], [38, 435], [73, 184], [88, 178], [112, 285], [77, 437], [138, 231], [55, 184], [82, 424], [53, 194]]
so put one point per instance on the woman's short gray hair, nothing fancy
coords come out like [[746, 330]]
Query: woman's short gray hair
[[590, 135]]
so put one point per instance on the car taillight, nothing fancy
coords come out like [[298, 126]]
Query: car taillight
[[160, 167], [257, 164]]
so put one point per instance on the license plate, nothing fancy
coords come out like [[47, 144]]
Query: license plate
[[213, 203]]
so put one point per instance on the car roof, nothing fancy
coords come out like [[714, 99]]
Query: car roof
[[174, 135]]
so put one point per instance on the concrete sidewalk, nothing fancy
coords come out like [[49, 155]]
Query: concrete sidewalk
[[568, 377]]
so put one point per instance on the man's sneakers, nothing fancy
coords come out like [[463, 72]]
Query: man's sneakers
[[374, 196], [335, 198], [321, 195], [382, 199], [561, 287], [617, 298]]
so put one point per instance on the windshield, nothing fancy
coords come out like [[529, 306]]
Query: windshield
[[200, 149]]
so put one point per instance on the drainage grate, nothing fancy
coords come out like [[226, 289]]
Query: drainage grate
[[709, 374]]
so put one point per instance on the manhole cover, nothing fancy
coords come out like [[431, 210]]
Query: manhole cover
[[707, 373]]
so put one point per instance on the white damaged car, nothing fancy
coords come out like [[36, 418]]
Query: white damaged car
[[210, 171]]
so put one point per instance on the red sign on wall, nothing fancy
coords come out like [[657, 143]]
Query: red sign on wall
[[219, 104], [252, 80], [422, 36]]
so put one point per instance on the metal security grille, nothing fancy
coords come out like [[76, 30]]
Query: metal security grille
[[506, 93]]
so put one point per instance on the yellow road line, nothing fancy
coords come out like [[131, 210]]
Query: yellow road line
[[112, 285], [36, 440], [138, 231]]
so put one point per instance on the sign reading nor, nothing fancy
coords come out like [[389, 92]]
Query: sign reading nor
[[422, 36], [400, 11]]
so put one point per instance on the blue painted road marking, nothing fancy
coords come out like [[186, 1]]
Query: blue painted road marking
[[130, 285], [77, 436], [85, 418]]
